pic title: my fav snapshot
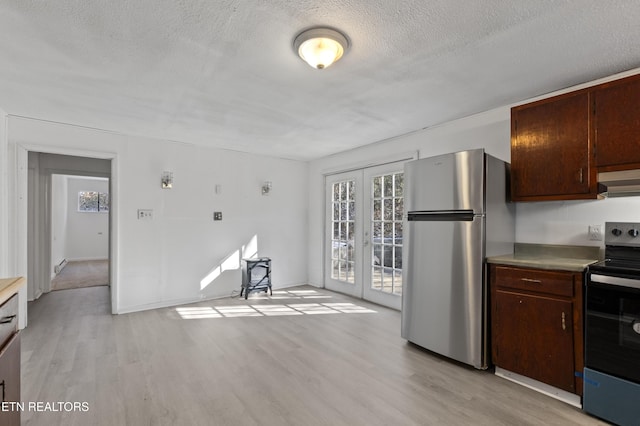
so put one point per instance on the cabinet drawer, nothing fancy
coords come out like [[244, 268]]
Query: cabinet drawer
[[10, 380], [535, 280], [8, 319]]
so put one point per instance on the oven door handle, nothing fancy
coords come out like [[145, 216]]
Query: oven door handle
[[622, 282]]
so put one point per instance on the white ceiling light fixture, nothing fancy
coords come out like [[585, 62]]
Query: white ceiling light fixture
[[320, 47]]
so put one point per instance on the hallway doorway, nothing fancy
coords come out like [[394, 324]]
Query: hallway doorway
[[69, 233]]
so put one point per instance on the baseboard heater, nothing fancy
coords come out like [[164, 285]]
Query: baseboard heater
[[60, 266]]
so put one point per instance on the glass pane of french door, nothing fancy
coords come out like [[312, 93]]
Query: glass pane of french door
[[386, 233], [344, 230], [343, 206]]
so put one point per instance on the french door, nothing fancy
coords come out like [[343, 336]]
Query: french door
[[364, 233], [343, 230]]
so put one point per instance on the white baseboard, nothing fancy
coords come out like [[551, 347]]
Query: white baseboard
[[544, 388], [163, 304], [80, 259]]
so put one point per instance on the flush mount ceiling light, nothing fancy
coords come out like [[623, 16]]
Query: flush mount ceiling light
[[320, 47]]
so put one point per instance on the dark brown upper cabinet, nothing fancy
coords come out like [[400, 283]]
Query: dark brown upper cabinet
[[617, 124], [559, 144], [551, 149]]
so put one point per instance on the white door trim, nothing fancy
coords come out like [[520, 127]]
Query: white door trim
[[360, 165]]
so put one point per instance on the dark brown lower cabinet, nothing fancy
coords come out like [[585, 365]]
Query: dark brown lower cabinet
[[10, 381], [536, 324]]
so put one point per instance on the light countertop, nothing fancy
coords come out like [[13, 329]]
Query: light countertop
[[544, 256], [9, 287]]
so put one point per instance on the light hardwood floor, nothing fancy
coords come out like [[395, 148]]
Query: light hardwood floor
[[82, 273], [304, 357]]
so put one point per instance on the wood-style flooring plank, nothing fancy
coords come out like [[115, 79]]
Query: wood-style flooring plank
[[306, 356]]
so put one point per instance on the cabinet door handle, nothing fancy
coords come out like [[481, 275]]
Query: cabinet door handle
[[530, 280], [580, 177], [6, 320], [564, 323]]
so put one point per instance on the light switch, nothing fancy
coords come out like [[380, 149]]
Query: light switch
[[145, 214]]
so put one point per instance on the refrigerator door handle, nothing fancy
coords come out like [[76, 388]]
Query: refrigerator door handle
[[442, 216]]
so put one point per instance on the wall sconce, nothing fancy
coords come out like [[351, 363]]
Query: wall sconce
[[266, 188], [167, 180]]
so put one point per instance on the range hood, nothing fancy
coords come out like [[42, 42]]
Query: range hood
[[620, 184]]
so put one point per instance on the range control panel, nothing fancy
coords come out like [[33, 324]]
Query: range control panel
[[622, 233]]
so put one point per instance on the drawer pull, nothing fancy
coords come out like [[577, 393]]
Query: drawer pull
[[7, 320], [564, 323], [530, 280]]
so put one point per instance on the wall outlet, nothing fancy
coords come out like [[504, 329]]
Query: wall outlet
[[217, 215], [595, 232], [145, 214]]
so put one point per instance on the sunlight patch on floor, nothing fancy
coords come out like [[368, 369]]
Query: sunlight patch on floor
[[261, 310], [198, 312], [298, 294]]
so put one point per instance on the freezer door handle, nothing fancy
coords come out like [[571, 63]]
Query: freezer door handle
[[441, 215]]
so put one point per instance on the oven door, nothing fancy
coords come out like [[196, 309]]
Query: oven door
[[612, 341]]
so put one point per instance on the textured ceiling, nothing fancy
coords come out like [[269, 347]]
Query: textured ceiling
[[223, 73]]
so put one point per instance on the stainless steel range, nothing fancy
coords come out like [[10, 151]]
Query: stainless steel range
[[612, 328]]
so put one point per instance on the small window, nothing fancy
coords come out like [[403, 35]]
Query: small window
[[93, 201]]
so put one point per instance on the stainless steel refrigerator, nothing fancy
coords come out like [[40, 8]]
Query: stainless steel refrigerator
[[457, 215]]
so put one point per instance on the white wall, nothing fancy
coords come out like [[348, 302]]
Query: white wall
[[163, 261], [87, 234], [541, 223], [567, 222]]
